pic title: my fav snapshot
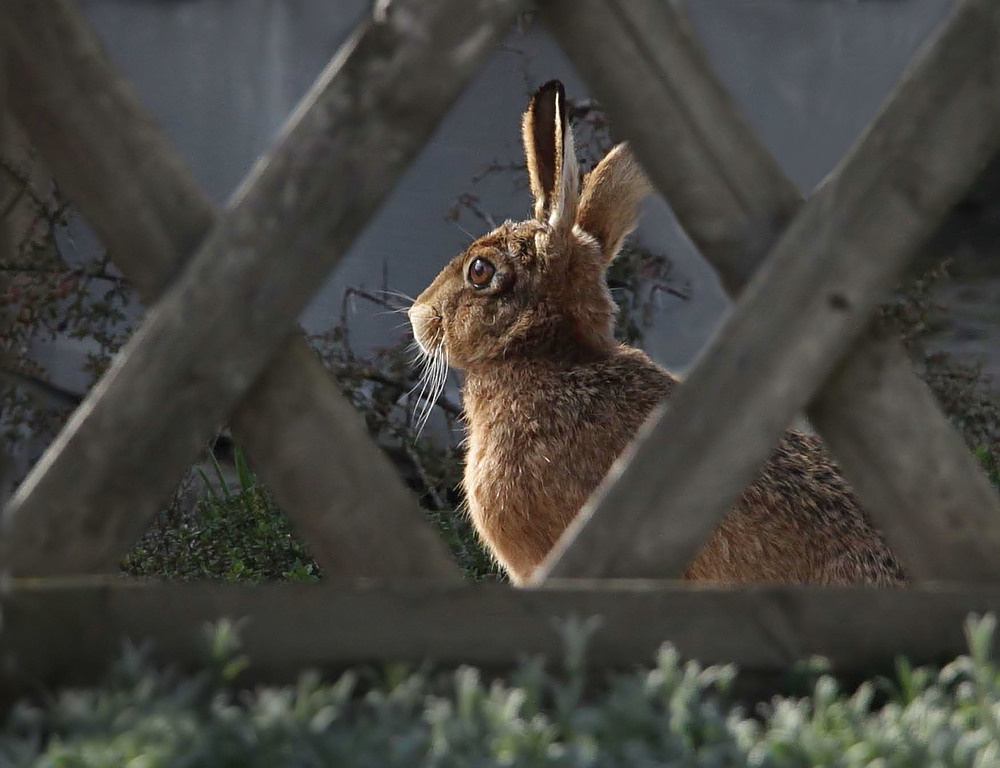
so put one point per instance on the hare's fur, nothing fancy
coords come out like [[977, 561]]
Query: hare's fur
[[551, 399]]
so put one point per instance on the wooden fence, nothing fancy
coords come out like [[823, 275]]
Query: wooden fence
[[220, 344]]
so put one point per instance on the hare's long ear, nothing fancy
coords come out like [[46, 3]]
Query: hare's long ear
[[609, 204], [548, 148]]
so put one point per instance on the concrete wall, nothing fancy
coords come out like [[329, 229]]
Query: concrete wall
[[221, 75]]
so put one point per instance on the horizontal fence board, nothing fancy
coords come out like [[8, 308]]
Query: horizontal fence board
[[909, 465], [214, 330], [62, 632]]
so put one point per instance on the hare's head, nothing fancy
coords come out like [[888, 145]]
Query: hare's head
[[536, 288]]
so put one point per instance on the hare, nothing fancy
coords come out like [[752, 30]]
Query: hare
[[551, 398]]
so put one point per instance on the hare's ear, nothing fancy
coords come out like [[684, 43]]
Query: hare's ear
[[548, 148], [609, 203]]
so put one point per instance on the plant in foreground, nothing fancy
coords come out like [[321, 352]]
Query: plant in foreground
[[673, 713]]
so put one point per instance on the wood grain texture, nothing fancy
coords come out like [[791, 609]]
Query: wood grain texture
[[60, 632], [800, 314], [907, 462], [227, 313], [937, 507]]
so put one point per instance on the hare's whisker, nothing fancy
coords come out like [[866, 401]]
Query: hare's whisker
[[464, 231], [418, 404], [432, 392], [422, 378], [438, 378], [397, 295]]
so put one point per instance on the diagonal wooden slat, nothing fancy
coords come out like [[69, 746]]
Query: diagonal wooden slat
[[310, 446], [724, 186], [214, 330], [800, 314], [65, 632], [907, 462]]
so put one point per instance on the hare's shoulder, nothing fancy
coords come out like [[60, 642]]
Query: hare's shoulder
[[625, 381], [632, 371], [618, 389], [616, 392]]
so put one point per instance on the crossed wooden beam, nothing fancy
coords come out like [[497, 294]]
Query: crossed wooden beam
[[219, 342], [797, 337]]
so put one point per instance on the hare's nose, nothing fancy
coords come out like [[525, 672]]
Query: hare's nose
[[419, 314], [422, 319]]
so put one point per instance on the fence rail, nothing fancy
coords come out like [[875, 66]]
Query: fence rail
[[66, 632]]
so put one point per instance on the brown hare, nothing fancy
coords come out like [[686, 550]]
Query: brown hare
[[551, 398]]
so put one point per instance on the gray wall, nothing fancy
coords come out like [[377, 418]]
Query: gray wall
[[221, 75]]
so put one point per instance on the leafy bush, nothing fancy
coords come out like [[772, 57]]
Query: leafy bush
[[240, 534], [233, 535], [674, 713], [965, 394]]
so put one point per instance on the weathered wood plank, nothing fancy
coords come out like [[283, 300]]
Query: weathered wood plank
[[946, 522], [907, 462], [643, 62], [61, 632], [800, 314], [338, 489], [96, 488]]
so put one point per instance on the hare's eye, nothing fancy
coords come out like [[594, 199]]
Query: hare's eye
[[481, 273]]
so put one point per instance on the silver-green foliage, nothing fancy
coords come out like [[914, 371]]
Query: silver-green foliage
[[672, 714]]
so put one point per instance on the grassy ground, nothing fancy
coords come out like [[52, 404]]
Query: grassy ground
[[238, 534]]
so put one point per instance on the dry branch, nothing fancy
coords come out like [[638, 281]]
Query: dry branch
[[805, 307], [229, 311]]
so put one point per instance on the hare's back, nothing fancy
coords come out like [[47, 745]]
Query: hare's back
[[798, 522]]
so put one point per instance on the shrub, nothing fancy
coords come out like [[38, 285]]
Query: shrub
[[232, 535], [240, 534], [673, 713]]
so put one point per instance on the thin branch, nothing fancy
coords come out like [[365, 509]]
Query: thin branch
[[40, 388]]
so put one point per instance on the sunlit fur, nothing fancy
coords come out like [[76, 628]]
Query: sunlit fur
[[551, 398]]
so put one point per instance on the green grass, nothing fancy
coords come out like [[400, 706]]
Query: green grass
[[990, 462], [241, 535], [234, 535]]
